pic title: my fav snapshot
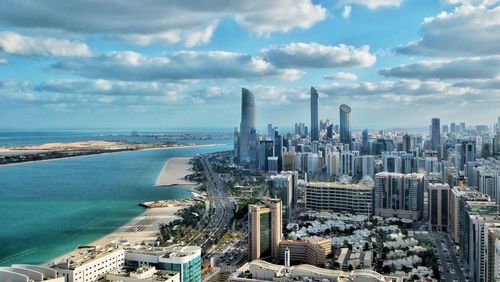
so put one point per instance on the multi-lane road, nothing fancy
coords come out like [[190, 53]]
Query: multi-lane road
[[224, 208]]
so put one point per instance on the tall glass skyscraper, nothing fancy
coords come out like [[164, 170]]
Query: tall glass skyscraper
[[247, 123], [435, 133], [345, 124], [314, 115]]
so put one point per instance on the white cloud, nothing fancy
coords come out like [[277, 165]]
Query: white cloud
[[17, 44], [346, 12], [187, 22], [373, 4], [108, 87], [314, 55], [467, 31], [341, 76], [467, 68], [3, 61], [183, 65]]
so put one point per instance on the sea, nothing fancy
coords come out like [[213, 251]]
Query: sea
[[48, 208]]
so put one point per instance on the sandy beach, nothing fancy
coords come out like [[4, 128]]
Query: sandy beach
[[174, 171], [143, 228]]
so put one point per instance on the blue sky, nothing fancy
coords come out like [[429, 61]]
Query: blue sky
[[181, 64]]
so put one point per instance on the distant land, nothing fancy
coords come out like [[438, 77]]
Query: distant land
[[20, 154]]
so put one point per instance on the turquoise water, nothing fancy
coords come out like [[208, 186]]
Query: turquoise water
[[48, 208]]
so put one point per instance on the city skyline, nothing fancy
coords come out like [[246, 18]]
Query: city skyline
[[185, 69]]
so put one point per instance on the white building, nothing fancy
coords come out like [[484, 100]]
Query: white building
[[29, 273], [89, 264], [142, 274], [367, 166], [185, 260]]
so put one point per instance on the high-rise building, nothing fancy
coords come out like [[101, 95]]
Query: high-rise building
[[478, 242], [247, 124], [496, 144], [365, 144], [270, 131], [392, 163], [266, 150], [272, 164], [329, 131], [348, 163], [236, 144], [281, 187], [345, 124], [436, 133], [314, 114], [458, 199], [399, 195], [367, 166], [278, 148], [493, 251], [439, 207], [445, 129], [332, 163], [264, 229], [339, 197], [468, 151]]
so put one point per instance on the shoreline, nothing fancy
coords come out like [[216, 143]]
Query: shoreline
[[105, 153], [145, 226], [173, 173], [130, 230]]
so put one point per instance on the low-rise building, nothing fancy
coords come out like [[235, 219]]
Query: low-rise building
[[29, 273], [90, 263], [142, 274], [259, 270], [186, 260], [312, 251]]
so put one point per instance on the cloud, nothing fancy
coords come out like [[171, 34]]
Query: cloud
[[467, 31], [17, 44], [373, 4], [314, 55], [183, 65], [187, 22], [467, 68], [403, 88], [483, 84], [107, 87], [341, 76], [346, 12], [3, 61]]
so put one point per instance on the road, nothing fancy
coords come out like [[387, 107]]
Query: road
[[224, 208], [451, 269]]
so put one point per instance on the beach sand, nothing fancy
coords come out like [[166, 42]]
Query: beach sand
[[174, 171], [143, 228]]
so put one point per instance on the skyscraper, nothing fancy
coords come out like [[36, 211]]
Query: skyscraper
[[345, 124], [247, 123], [436, 133], [365, 145], [314, 115]]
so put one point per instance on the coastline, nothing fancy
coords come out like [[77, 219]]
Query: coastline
[[144, 227], [173, 172], [105, 153]]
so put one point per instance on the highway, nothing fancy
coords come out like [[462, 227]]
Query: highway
[[223, 204]]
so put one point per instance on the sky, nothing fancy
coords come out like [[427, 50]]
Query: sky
[[181, 63]]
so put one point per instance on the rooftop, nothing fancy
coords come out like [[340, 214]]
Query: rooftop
[[339, 185]]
